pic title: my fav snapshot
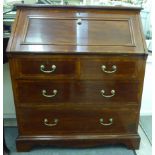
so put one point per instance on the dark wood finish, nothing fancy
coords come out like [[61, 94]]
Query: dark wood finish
[[78, 67], [76, 121], [61, 27], [48, 39], [65, 67], [78, 41], [77, 92], [19, 6], [26, 143], [128, 67]]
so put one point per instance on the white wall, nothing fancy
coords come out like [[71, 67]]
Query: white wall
[[146, 107], [8, 101]]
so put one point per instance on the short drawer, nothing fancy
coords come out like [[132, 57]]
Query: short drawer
[[77, 92], [110, 67], [57, 68], [46, 121]]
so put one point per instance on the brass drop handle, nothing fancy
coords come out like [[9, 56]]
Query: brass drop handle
[[101, 120], [79, 21], [107, 96], [55, 122], [45, 95], [42, 68], [114, 68]]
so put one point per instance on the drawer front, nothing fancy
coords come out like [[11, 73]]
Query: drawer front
[[109, 67], [46, 68], [77, 92], [79, 67], [57, 121]]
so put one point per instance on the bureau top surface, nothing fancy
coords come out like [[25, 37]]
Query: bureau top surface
[[77, 30], [117, 7]]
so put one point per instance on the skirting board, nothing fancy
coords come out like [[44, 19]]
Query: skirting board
[[146, 113]]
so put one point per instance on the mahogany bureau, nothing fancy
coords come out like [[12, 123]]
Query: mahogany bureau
[[77, 75]]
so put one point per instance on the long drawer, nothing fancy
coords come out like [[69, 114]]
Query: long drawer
[[76, 92], [46, 121], [79, 67]]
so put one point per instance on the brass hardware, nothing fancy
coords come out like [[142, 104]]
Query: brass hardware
[[54, 93], [79, 21], [51, 124], [106, 124], [114, 68], [107, 96], [42, 68]]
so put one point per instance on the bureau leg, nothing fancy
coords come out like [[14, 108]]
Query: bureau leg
[[23, 146], [132, 144]]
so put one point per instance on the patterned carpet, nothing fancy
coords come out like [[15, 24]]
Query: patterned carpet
[[11, 134]]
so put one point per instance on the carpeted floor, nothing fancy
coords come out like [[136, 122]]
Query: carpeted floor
[[11, 134]]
